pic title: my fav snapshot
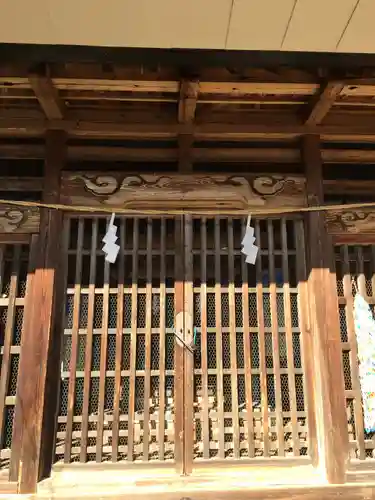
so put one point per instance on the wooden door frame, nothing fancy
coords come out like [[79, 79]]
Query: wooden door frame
[[184, 357], [179, 399]]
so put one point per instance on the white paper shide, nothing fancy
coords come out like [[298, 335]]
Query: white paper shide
[[248, 248], [111, 249]]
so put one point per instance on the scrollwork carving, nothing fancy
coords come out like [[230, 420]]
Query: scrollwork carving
[[11, 219], [182, 191], [271, 185], [99, 185], [353, 221]]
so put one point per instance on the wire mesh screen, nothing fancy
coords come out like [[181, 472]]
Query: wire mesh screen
[[249, 397], [117, 367], [14, 259], [355, 265]]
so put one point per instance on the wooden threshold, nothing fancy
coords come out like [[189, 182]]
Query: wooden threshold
[[348, 492], [215, 483]]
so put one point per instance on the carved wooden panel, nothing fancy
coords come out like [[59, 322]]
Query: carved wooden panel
[[172, 191], [351, 222], [15, 219]]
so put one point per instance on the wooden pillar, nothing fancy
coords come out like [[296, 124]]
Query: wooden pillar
[[38, 390], [328, 376], [17, 425]]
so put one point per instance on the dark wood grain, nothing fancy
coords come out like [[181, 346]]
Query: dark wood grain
[[188, 355], [74, 344], [38, 397], [219, 345], [119, 342], [262, 347], [89, 342], [328, 373], [275, 338], [179, 400], [18, 423]]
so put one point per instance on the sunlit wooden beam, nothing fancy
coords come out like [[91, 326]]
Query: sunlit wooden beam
[[323, 102], [85, 129], [48, 97]]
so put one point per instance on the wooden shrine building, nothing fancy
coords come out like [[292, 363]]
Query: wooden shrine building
[[262, 396]]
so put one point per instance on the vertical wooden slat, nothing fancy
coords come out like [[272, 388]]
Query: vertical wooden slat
[[358, 415], [179, 348], [361, 272], [289, 340], [162, 328], [188, 355], [373, 270], [89, 340], [2, 252], [103, 364], [119, 342], [306, 338], [204, 353], [147, 383], [18, 424], [219, 349], [247, 353], [233, 341], [328, 373], [275, 338], [262, 347], [6, 358], [74, 343], [133, 341]]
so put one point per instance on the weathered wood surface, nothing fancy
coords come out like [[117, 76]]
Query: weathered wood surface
[[171, 191], [15, 219], [328, 373], [353, 492], [351, 222], [37, 396], [18, 425]]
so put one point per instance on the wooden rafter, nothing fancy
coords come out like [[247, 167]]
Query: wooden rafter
[[323, 103], [186, 113], [48, 96]]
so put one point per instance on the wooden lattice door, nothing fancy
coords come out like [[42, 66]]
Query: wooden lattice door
[[180, 351], [248, 383], [121, 371]]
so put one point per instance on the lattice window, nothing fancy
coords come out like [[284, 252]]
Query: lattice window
[[354, 264], [13, 285]]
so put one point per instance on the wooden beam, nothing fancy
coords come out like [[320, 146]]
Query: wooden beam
[[188, 101], [328, 376], [185, 145], [323, 102], [31, 127], [30, 184], [119, 153], [345, 187], [37, 396], [337, 187], [186, 114], [48, 96], [198, 155]]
